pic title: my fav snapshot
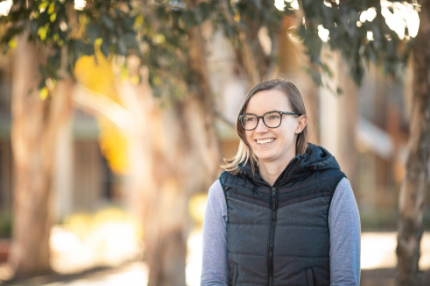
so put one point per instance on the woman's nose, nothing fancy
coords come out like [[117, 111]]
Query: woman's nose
[[261, 127]]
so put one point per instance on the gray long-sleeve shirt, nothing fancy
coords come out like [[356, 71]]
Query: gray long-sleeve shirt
[[344, 225]]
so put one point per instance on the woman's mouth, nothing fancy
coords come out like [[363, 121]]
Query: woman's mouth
[[264, 141]]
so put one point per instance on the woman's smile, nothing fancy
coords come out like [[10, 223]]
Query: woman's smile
[[265, 142], [276, 143]]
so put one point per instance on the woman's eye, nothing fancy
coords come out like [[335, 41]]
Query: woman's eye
[[249, 119], [273, 117]]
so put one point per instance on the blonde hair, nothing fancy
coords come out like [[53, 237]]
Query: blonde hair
[[244, 152]]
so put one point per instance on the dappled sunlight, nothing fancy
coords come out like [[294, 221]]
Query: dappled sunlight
[[398, 17], [194, 258], [80, 4], [378, 250], [108, 238], [197, 207], [5, 7], [133, 274]]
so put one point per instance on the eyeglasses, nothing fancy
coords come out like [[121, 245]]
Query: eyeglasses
[[271, 119]]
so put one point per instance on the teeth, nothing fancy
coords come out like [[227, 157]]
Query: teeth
[[265, 141]]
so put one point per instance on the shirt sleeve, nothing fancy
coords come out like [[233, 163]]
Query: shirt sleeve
[[214, 264], [344, 225]]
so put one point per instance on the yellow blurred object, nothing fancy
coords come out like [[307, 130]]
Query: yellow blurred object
[[159, 39], [43, 5], [56, 37], [83, 224], [96, 74], [112, 214], [108, 237], [43, 93], [51, 8], [197, 207], [79, 223], [135, 79], [124, 74], [42, 31], [138, 22], [12, 44], [236, 15]]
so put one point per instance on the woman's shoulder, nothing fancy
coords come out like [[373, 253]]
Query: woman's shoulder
[[343, 198], [344, 186], [216, 198], [215, 186], [216, 190]]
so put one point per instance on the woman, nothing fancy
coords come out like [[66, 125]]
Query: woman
[[282, 212]]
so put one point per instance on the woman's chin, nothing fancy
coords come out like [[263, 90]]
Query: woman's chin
[[264, 157]]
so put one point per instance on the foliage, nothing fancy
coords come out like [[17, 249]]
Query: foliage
[[350, 36], [57, 26], [158, 33], [5, 224]]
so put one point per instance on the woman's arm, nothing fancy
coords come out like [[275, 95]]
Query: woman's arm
[[344, 225], [214, 267]]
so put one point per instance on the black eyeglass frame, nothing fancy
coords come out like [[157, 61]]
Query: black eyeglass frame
[[262, 118]]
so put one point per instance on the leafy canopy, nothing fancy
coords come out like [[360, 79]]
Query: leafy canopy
[[158, 33]]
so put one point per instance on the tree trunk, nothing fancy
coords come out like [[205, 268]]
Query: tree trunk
[[176, 154], [186, 159], [348, 111], [339, 114], [410, 227], [35, 127]]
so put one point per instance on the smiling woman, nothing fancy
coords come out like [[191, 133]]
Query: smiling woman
[[282, 213], [267, 98]]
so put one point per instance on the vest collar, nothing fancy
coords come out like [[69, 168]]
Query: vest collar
[[315, 158]]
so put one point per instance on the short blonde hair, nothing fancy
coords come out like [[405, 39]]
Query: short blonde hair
[[244, 152]]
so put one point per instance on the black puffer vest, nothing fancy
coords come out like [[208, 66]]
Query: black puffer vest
[[279, 235]]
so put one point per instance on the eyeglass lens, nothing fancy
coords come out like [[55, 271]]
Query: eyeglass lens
[[271, 120]]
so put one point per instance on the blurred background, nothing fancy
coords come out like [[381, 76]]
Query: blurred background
[[115, 117]]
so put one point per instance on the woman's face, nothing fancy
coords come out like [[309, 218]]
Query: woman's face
[[273, 144]]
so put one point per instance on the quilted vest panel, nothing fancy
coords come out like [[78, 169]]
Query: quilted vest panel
[[279, 235]]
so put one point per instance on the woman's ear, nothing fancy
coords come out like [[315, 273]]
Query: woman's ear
[[302, 121]]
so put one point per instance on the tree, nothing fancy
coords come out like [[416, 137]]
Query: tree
[[49, 38], [167, 39], [169, 43], [36, 124], [348, 33]]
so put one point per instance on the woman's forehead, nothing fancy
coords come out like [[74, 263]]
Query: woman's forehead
[[267, 100]]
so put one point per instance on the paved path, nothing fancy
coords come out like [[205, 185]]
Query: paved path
[[378, 260]]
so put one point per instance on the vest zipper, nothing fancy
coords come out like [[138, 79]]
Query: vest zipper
[[272, 235]]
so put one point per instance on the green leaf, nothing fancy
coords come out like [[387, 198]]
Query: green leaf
[[122, 47], [189, 19], [104, 48], [108, 22], [127, 23], [204, 10], [257, 3], [130, 41], [326, 69], [93, 32]]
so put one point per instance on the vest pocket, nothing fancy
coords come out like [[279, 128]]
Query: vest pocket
[[309, 277], [235, 274]]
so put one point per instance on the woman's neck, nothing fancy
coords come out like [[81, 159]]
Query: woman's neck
[[270, 171]]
